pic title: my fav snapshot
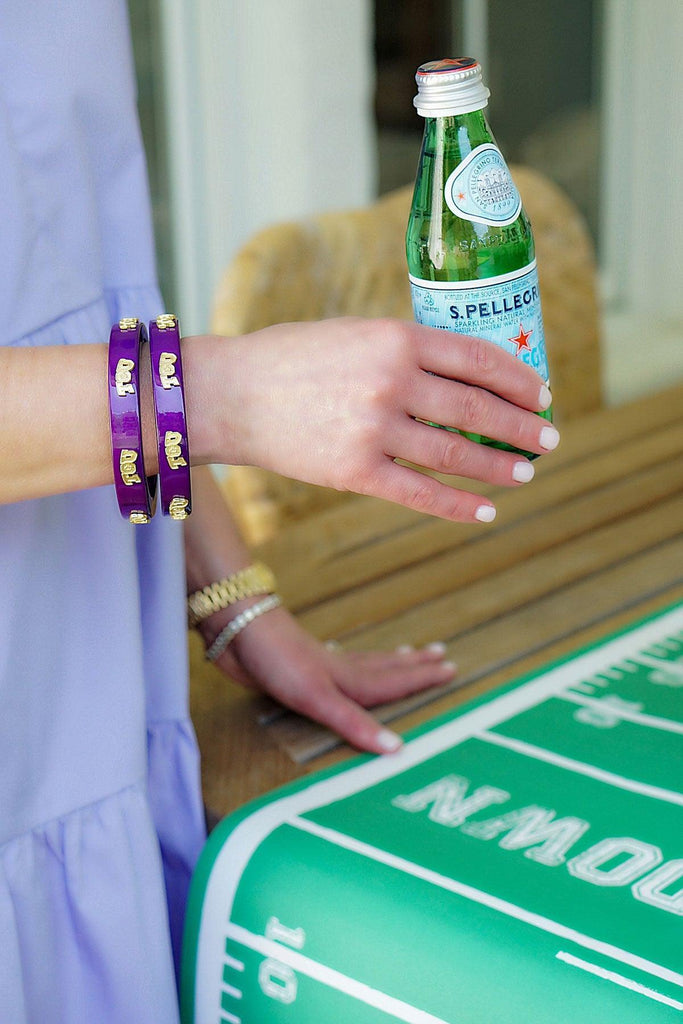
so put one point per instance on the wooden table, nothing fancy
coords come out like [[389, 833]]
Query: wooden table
[[594, 542]]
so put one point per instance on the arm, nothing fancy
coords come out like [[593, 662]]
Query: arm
[[275, 655], [332, 403]]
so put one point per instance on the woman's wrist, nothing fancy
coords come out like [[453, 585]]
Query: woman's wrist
[[211, 366]]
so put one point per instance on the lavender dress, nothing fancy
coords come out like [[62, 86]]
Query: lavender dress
[[100, 812]]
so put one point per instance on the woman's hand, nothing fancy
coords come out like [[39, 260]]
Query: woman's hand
[[276, 656], [337, 402]]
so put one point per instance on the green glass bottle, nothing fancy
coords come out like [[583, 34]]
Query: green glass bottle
[[469, 245]]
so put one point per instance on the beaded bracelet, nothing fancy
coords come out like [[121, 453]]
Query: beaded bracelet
[[135, 492], [250, 582], [169, 405], [236, 625]]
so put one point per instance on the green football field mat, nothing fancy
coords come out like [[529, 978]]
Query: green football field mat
[[519, 860]]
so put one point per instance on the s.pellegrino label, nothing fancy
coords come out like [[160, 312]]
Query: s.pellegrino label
[[505, 310]]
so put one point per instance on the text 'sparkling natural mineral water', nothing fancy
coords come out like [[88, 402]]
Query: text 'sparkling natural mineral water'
[[469, 244]]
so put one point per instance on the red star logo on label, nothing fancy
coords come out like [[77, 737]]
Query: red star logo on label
[[461, 196], [521, 340]]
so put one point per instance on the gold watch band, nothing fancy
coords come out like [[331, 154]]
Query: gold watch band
[[254, 580]]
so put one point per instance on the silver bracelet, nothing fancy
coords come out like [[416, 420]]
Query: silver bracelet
[[236, 625]]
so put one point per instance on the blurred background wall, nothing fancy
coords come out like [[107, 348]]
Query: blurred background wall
[[256, 111]]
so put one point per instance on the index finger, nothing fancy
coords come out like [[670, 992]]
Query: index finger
[[484, 364]]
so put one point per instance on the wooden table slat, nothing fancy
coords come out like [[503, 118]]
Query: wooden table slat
[[380, 599], [446, 616], [339, 528], [307, 582]]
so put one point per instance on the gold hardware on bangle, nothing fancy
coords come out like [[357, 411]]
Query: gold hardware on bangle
[[128, 323], [255, 579], [123, 377], [166, 321], [128, 466], [138, 518], [177, 508], [174, 453], [167, 361]]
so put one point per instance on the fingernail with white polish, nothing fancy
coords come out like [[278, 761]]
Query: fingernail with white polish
[[485, 514], [404, 649], [523, 472], [437, 647], [545, 399], [549, 438], [388, 740]]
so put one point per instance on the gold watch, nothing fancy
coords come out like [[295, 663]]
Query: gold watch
[[255, 579]]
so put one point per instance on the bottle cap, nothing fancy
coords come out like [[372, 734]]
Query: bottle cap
[[450, 86]]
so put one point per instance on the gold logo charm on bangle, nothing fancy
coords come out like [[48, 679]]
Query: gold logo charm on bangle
[[123, 377], [174, 453], [138, 518], [128, 323], [128, 466], [166, 322], [167, 361], [177, 509]]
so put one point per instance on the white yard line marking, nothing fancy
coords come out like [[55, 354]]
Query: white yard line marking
[[230, 990], [617, 979], [588, 687], [236, 965], [581, 767], [600, 704], [333, 979], [663, 664], [229, 1018], [486, 899]]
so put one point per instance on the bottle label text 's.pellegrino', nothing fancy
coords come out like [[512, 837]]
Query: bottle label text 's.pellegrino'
[[480, 189], [505, 310]]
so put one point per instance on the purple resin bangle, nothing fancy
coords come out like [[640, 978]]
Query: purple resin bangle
[[169, 404], [135, 492]]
